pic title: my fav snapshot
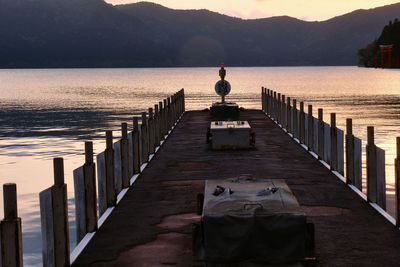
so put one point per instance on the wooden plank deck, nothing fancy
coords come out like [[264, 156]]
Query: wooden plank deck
[[151, 226]]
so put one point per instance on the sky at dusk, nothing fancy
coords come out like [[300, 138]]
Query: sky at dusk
[[309, 10]]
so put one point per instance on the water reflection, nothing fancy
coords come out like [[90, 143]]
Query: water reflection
[[49, 113]]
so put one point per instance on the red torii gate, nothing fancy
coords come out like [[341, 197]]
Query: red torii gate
[[384, 49]]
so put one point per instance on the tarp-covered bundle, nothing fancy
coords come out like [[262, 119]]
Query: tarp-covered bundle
[[251, 220]]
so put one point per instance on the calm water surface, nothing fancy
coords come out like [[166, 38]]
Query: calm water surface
[[50, 113]]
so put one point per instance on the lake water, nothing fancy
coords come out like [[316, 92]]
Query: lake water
[[50, 113]]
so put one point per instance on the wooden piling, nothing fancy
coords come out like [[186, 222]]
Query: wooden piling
[[321, 134], [295, 120], [157, 125], [376, 180], [288, 116], [270, 102], [371, 165], [152, 130], [136, 146], [145, 138], [161, 121], [85, 195], [271, 92], [274, 106], [125, 155], [310, 125], [110, 170], [106, 176], [302, 124], [54, 220], [169, 111], [397, 182], [283, 111], [278, 111], [183, 100], [262, 99], [10, 229], [173, 115], [334, 143], [165, 118], [349, 152]]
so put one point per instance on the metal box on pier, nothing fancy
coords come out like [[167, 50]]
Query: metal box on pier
[[231, 135], [251, 220]]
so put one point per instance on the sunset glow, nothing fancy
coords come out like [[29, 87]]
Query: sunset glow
[[309, 10]]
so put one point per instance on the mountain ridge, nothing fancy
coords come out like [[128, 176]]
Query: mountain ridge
[[92, 33]]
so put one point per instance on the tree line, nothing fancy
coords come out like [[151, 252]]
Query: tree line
[[390, 36]]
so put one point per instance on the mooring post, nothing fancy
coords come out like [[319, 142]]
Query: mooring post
[[288, 116], [371, 165], [85, 195], [157, 125], [321, 134], [349, 152], [54, 220], [136, 146], [125, 155], [145, 138], [295, 119], [302, 123], [310, 125], [10, 229], [151, 131], [397, 181], [268, 95], [106, 176]]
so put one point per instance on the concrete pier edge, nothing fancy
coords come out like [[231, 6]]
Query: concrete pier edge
[[386, 215], [86, 239]]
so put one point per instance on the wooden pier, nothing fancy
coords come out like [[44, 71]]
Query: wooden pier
[[152, 225], [149, 221]]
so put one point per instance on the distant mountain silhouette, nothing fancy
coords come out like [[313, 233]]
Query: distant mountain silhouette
[[92, 33]]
